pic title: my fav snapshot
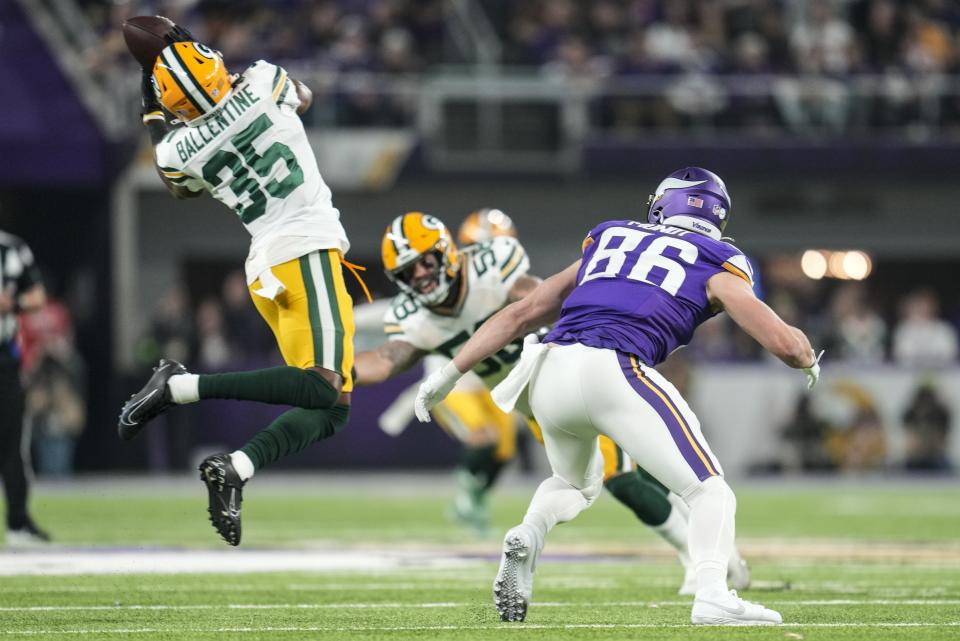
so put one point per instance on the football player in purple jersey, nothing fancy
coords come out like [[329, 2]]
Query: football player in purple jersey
[[639, 292]]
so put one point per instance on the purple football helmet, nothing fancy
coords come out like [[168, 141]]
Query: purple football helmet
[[693, 199]]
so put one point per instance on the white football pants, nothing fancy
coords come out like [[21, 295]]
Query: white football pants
[[578, 393]]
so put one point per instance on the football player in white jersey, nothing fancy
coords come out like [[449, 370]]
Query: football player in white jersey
[[489, 435], [445, 295], [241, 140]]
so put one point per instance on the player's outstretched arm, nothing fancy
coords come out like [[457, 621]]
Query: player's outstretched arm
[[377, 365], [541, 307], [156, 123], [522, 287], [787, 343]]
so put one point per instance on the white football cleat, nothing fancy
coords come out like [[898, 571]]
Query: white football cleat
[[726, 608], [513, 587]]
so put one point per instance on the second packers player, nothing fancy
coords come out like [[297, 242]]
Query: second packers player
[[242, 141], [445, 295], [489, 436]]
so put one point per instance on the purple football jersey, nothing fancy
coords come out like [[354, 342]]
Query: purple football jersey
[[642, 288]]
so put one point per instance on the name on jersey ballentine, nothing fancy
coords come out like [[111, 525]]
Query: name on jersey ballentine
[[196, 138]]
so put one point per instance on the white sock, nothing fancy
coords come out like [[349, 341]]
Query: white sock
[[555, 501], [679, 504], [242, 464], [184, 388], [675, 532], [713, 508], [710, 578]]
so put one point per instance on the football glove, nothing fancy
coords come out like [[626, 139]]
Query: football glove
[[182, 34], [179, 34], [435, 389], [813, 372]]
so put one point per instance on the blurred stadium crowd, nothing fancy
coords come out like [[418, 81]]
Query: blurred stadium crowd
[[762, 65]]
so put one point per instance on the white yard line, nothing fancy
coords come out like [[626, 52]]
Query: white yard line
[[93, 561], [465, 583], [450, 604], [434, 628], [166, 561]]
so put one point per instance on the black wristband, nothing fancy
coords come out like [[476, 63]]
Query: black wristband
[[156, 127], [148, 97]]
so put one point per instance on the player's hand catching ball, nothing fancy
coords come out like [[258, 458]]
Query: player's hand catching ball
[[435, 389]]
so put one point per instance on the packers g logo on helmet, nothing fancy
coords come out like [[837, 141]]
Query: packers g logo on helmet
[[190, 79], [485, 224], [407, 240]]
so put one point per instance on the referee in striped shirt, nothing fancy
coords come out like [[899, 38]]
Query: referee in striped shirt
[[21, 290]]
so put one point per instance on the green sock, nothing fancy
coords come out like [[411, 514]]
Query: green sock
[[277, 385], [293, 431], [646, 476], [482, 464], [646, 498]]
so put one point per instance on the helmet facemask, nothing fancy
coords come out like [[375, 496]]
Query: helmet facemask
[[430, 268], [191, 81], [418, 252]]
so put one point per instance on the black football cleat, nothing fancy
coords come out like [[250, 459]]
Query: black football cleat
[[150, 402], [225, 490]]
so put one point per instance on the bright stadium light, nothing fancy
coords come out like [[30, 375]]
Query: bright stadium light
[[857, 264], [814, 264], [835, 267]]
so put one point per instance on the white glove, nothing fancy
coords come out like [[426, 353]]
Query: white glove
[[813, 372], [435, 389]]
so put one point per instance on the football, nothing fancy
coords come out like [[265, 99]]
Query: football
[[145, 37]]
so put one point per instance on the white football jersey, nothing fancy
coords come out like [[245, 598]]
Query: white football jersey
[[252, 154], [490, 269]]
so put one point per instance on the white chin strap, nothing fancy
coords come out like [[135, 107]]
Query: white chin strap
[[694, 224]]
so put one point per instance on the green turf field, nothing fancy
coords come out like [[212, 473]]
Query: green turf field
[[839, 561]]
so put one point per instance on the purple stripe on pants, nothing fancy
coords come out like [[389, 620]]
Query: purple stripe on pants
[[684, 444]]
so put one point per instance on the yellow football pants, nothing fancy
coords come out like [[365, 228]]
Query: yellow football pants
[[464, 413], [312, 318]]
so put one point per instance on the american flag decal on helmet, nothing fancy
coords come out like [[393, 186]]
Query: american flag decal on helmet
[[693, 201]]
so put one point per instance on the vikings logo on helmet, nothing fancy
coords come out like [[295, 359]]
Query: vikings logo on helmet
[[406, 241], [693, 198]]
